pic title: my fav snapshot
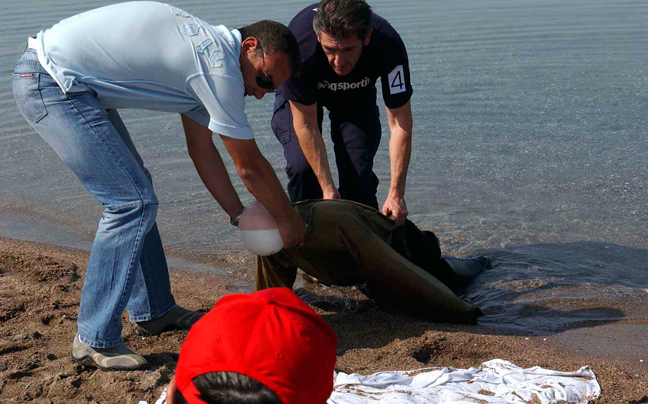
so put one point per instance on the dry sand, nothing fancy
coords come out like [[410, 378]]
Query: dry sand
[[39, 294]]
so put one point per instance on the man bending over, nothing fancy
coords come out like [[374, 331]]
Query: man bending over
[[69, 84]]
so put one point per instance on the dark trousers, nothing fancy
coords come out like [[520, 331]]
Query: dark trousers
[[355, 138]]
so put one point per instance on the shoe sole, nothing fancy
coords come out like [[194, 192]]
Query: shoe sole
[[87, 360], [143, 333]]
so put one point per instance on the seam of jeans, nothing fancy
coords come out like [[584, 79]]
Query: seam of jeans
[[100, 343], [129, 205], [35, 65], [143, 264], [122, 300], [154, 314]]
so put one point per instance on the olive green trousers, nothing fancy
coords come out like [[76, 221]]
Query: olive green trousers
[[352, 244]]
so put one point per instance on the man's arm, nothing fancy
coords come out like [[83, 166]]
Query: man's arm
[[254, 170], [210, 166], [400, 150], [260, 179], [312, 144]]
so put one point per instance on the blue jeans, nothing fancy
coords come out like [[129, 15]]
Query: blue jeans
[[127, 266]]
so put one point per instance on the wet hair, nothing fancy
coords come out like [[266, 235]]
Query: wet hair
[[229, 388], [343, 19], [274, 38]]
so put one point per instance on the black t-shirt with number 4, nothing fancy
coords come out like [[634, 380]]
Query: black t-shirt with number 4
[[384, 57]]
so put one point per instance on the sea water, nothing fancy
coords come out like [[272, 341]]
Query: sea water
[[530, 146]]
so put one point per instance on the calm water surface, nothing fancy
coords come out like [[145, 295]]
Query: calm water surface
[[530, 147]]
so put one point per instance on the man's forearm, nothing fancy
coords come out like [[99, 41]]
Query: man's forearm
[[400, 147], [210, 167], [400, 151], [310, 140], [262, 182], [213, 174], [314, 149]]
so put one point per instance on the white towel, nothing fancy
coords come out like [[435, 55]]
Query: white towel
[[494, 382]]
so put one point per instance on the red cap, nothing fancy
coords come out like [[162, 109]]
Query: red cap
[[271, 336]]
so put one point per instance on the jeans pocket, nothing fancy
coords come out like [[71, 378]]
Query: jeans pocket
[[28, 96]]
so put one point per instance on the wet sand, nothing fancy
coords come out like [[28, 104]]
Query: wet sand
[[40, 287]]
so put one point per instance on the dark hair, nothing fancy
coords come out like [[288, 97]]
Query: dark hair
[[274, 38], [229, 388], [342, 19]]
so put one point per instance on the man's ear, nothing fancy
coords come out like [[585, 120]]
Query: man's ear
[[367, 38], [250, 44]]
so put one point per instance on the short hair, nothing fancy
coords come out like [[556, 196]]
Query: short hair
[[274, 38], [342, 19], [229, 388]]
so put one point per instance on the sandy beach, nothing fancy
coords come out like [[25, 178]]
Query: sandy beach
[[529, 147], [40, 288]]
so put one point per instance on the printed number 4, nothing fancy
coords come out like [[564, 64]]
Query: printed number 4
[[396, 80]]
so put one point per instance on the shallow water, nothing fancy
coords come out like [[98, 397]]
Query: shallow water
[[530, 147], [548, 288]]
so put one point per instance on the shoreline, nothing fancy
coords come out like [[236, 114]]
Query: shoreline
[[39, 295]]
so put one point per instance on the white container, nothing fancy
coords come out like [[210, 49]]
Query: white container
[[259, 230], [262, 242]]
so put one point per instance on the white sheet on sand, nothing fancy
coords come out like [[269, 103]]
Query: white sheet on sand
[[494, 382]]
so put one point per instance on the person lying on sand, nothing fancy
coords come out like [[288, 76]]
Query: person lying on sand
[[265, 347], [348, 243]]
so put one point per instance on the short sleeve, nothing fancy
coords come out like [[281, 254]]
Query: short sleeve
[[223, 99], [302, 86], [395, 76]]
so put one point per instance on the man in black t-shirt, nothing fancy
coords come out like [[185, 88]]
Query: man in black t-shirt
[[345, 48]]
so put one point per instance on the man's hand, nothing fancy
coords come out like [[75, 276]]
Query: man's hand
[[396, 209], [260, 179], [293, 231], [331, 193]]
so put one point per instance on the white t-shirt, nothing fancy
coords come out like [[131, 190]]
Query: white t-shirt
[[153, 56]]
